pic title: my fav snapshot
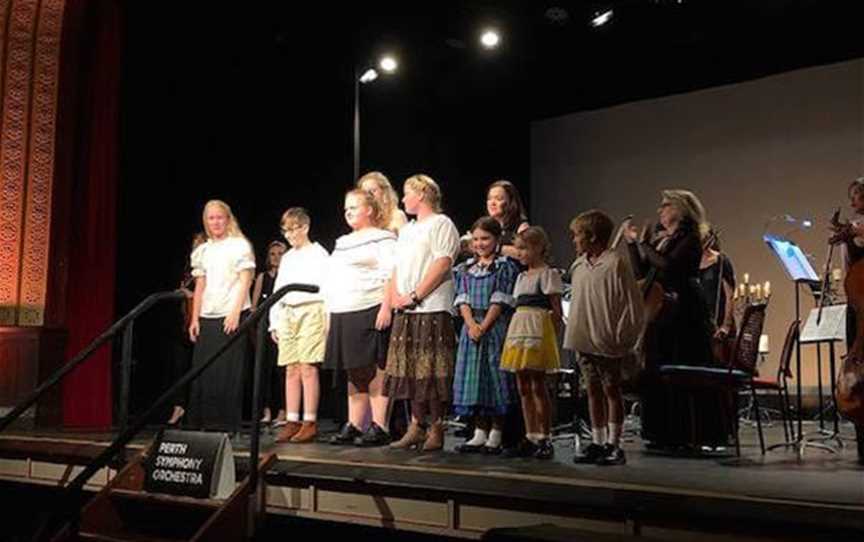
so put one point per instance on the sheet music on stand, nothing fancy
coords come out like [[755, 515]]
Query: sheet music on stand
[[793, 260], [832, 327]]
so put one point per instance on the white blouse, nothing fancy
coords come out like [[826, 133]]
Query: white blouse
[[360, 266], [305, 265], [420, 244], [220, 263]]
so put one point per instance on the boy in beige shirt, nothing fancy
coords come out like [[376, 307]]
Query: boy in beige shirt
[[604, 324]]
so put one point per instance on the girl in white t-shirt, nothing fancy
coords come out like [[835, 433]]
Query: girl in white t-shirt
[[222, 268], [423, 342], [359, 306]]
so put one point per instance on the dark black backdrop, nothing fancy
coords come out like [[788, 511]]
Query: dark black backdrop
[[251, 102]]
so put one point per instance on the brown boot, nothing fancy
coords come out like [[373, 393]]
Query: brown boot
[[307, 433], [434, 438], [414, 435], [287, 432]]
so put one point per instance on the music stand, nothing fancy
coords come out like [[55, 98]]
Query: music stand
[[830, 329], [800, 272]]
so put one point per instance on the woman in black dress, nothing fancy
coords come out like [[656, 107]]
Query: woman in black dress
[[273, 381], [680, 335]]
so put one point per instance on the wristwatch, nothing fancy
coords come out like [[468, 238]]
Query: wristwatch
[[414, 298]]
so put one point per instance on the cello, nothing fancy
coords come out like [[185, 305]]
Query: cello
[[850, 379]]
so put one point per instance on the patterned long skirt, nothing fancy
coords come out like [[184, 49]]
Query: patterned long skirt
[[420, 357]]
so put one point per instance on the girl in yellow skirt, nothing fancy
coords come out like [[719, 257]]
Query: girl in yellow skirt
[[531, 347]]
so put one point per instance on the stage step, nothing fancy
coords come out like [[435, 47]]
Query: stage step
[[123, 511], [94, 537]]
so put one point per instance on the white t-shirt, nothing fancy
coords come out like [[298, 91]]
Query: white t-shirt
[[360, 266], [420, 244], [220, 263], [305, 265]]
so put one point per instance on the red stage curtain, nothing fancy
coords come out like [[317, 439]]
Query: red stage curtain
[[87, 393]]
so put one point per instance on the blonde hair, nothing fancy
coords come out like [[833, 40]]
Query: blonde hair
[[595, 224], [369, 200], [429, 189], [296, 214], [233, 228], [388, 200], [535, 236], [690, 207]]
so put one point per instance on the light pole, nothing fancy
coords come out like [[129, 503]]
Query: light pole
[[387, 64]]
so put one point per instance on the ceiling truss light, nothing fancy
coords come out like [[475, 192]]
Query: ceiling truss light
[[602, 17], [388, 64], [369, 76], [490, 39]]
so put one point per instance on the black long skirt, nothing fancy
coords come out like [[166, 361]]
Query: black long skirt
[[215, 397]]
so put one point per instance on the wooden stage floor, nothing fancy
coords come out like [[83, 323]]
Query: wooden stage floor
[[667, 497]]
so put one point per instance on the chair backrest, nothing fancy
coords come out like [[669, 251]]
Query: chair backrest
[[784, 370], [746, 352]]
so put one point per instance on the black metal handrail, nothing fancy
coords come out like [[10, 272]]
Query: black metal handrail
[[125, 323], [73, 490]]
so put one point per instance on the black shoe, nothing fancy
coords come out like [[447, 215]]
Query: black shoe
[[525, 448], [492, 450], [590, 454], [545, 449], [346, 435], [614, 456], [466, 448], [374, 436]]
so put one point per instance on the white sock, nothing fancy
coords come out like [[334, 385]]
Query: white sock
[[494, 439], [479, 438], [533, 437], [615, 430], [598, 435], [541, 436], [293, 417], [310, 417]]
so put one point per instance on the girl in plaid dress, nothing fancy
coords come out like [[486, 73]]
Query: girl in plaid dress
[[484, 299]]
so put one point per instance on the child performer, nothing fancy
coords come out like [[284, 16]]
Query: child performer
[[298, 324], [484, 299], [531, 347], [603, 326], [360, 315]]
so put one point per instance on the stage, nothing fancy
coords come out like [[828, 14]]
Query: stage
[[654, 496]]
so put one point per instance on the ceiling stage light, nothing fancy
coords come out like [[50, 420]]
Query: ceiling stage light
[[490, 39], [388, 64], [602, 17]]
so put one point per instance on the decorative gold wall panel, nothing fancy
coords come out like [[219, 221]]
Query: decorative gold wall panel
[[29, 72], [40, 168]]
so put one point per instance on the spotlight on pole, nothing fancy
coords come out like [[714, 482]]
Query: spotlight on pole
[[602, 17], [490, 39], [388, 64], [369, 76]]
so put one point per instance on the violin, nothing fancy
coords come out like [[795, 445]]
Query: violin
[[653, 292]]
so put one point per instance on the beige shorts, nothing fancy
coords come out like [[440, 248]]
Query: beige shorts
[[303, 334], [599, 369]]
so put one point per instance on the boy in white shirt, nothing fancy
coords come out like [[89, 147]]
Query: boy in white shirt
[[298, 324], [604, 324]]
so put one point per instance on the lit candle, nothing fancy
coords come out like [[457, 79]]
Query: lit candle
[[764, 346], [743, 290], [767, 288], [758, 291], [746, 278], [752, 290]]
